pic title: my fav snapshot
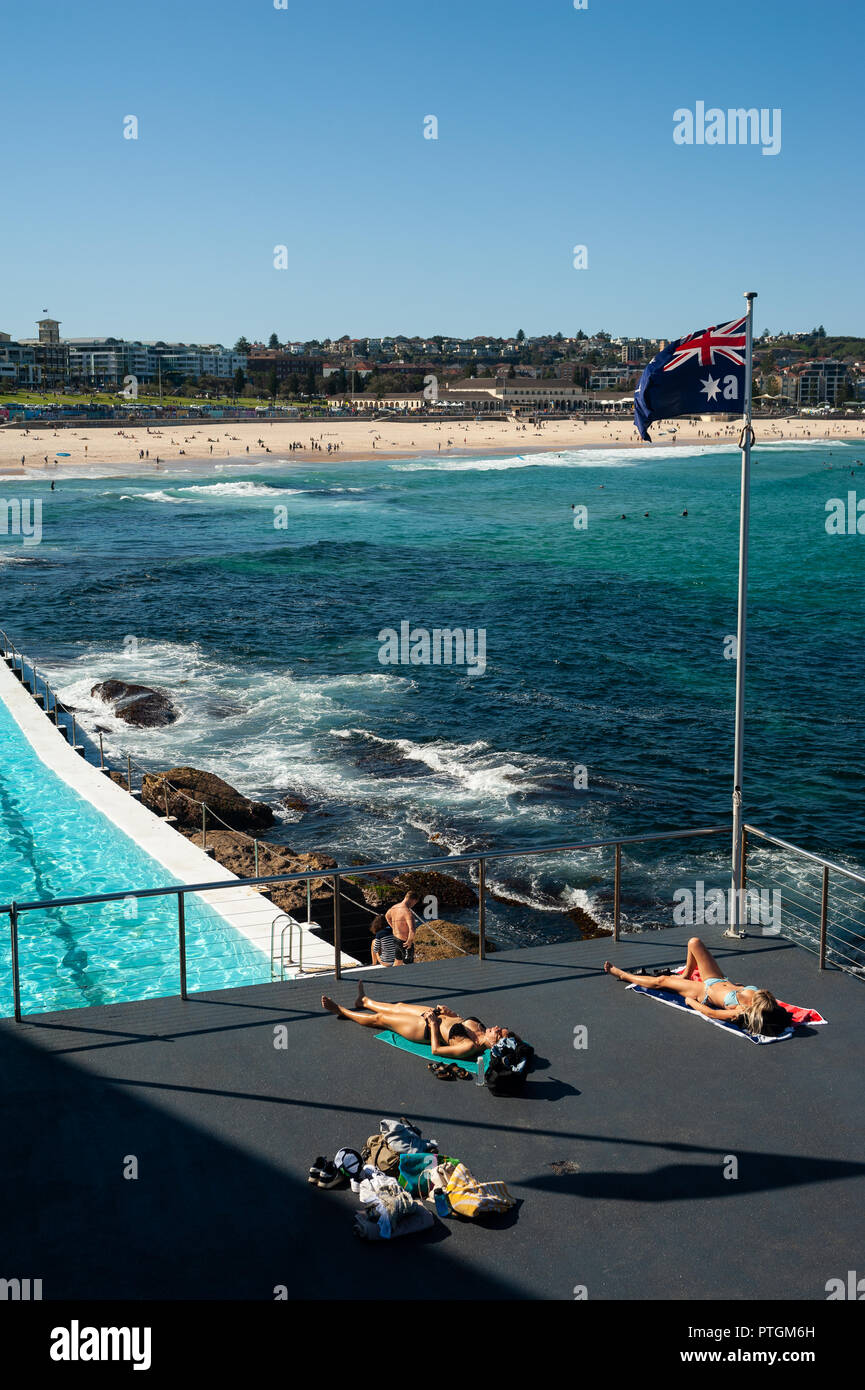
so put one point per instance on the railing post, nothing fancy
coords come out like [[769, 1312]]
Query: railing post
[[744, 860], [101, 754], [482, 909], [308, 901], [181, 935], [617, 891], [16, 983], [204, 828], [824, 917], [337, 927], [255, 846], [129, 774]]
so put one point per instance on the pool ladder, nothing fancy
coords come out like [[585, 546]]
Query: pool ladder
[[277, 960]]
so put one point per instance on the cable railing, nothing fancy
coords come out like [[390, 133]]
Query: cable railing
[[15, 910], [820, 903], [826, 916]]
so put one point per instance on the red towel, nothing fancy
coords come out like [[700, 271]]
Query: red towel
[[797, 1013]]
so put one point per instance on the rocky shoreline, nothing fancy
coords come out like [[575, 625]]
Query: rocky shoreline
[[209, 811], [179, 792]]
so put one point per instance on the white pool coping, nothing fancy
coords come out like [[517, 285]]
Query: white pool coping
[[247, 911]]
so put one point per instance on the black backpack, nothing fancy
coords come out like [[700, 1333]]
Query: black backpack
[[507, 1069]]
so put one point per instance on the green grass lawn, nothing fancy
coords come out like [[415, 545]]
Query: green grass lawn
[[109, 398], [43, 398]]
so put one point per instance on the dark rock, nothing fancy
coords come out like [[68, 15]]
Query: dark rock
[[587, 925], [449, 892], [237, 853], [440, 940], [140, 705], [180, 791]]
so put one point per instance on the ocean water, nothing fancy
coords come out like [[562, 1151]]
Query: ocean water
[[255, 594]]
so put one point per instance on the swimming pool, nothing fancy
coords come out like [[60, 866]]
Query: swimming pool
[[55, 844]]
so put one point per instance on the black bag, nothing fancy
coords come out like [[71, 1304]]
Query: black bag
[[508, 1068]]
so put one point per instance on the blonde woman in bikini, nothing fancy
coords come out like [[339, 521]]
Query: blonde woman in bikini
[[754, 1009]]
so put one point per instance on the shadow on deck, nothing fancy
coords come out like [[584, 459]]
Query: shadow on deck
[[616, 1154]]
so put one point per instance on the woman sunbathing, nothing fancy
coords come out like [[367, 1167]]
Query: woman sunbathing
[[754, 1009], [448, 1035]]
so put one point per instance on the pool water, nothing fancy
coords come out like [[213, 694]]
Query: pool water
[[55, 844]]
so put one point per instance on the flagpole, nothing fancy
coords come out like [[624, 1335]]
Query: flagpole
[[735, 928]]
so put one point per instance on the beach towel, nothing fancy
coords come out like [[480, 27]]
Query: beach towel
[[666, 996], [796, 1012], [412, 1168], [468, 1197], [424, 1050]]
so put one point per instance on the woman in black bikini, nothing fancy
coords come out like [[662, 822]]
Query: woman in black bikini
[[448, 1035]]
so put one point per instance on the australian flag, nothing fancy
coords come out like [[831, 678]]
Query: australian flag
[[697, 375]]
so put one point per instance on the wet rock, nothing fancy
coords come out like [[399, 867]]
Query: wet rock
[[449, 892], [139, 705], [237, 853], [180, 791], [441, 940]]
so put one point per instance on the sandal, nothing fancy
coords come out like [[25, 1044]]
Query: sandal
[[447, 1073]]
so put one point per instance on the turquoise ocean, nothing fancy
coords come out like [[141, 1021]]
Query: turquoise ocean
[[256, 593]]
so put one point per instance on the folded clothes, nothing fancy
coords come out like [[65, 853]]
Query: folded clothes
[[416, 1218], [388, 1211], [404, 1138]]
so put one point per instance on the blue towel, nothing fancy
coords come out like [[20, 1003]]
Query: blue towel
[[668, 996], [423, 1049]]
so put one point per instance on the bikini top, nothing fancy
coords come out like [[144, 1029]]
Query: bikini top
[[731, 999]]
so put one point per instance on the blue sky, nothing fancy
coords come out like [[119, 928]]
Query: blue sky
[[304, 127]]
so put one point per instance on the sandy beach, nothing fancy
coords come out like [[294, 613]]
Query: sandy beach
[[23, 451]]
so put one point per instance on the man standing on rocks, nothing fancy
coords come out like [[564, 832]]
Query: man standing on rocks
[[400, 919]]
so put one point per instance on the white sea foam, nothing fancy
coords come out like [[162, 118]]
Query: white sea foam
[[150, 497], [473, 769], [241, 488], [604, 456]]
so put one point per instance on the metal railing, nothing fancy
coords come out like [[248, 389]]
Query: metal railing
[[25, 670], [826, 915], [15, 909], [829, 921]]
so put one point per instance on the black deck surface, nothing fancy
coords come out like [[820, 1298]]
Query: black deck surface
[[224, 1127]]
